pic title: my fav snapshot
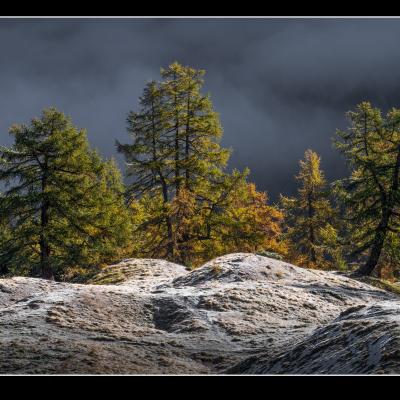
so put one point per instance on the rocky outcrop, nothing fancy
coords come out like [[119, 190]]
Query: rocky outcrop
[[362, 340], [239, 313]]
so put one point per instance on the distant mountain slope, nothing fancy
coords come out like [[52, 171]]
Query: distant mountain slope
[[239, 313]]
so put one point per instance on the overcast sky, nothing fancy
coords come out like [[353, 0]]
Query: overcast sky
[[280, 85]]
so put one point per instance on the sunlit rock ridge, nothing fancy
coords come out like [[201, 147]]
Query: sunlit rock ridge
[[240, 313]]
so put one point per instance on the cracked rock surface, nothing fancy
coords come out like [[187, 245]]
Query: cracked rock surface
[[240, 313]]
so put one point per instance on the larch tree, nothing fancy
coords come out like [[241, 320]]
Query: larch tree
[[309, 217], [180, 190], [149, 163], [62, 199], [249, 223], [175, 154], [371, 194], [196, 129]]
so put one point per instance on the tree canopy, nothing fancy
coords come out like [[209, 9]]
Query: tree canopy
[[310, 218], [371, 194], [63, 203], [191, 203]]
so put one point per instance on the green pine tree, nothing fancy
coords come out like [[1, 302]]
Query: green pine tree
[[175, 147], [309, 217], [371, 194], [60, 198], [181, 190]]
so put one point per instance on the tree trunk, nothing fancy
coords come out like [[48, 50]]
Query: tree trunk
[[313, 256], [187, 142], [376, 248], [177, 149], [187, 151], [4, 270], [177, 171], [170, 235], [170, 245], [46, 270], [383, 227]]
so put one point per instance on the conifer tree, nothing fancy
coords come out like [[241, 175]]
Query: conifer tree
[[149, 159], [195, 126], [249, 223], [180, 183], [309, 217], [371, 194], [175, 146], [61, 198]]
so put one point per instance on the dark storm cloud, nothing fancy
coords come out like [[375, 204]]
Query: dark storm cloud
[[280, 85]]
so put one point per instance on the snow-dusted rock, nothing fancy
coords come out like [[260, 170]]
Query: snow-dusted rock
[[362, 340], [240, 313]]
